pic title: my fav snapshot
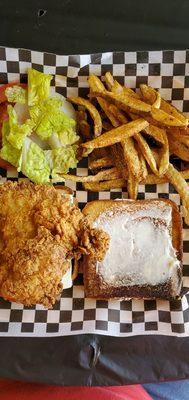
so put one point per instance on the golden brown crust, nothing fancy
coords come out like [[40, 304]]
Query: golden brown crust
[[40, 231], [93, 284]]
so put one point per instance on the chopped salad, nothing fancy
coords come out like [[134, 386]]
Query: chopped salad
[[38, 130]]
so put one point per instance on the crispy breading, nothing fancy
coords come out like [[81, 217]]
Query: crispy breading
[[39, 233]]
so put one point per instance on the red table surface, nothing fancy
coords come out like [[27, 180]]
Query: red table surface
[[22, 390]]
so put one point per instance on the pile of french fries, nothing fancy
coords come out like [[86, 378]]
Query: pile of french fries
[[129, 138]]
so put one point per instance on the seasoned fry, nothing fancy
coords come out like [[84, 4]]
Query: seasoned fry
[[95, 83], [132, 186], [117, 158], [112, 173], [102, 162], [151, 179], [105, 107], [92, 111], [107, 185], [148, 93], [179, 135], [145, 149], [118, 114], [115, 87], [182, 188], [178, 148], [164, 156], [117, 135], [143, 166], [109, 80], [83, 125], [152, 130], [131, 157], [164, 118], [124, 101], [152, 96], [170, 109]]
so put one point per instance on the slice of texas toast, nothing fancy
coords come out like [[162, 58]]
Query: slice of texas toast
[[94, 283]]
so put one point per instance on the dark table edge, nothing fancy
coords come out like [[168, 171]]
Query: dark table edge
[[94, 360]]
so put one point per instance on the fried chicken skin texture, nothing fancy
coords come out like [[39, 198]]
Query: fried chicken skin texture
[[39, 233]]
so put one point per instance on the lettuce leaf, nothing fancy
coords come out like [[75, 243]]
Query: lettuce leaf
[[60, 160], [8, 152], [34, 163], [51, 123], [16, 94], [18, 132], [38, 86]]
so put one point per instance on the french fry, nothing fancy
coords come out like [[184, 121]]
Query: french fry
[[102, 162], [178, 148], [170, 109], [83, 125], [132, 186], [117, 134], [178, 135], [131, 156], [154, 179], [92, 111], [182, 188], [95, 83], [151, 179], [152, 130], [148, 93], [143, 167], [105, 107], [124, 101], [112, 173], [118, 159], [109, 80], [107, 185], [164, 118], [115, 87], [118, 114], [146, 151], [164, 156], [151, 96]]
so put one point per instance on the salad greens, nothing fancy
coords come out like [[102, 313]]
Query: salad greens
[[16, 94], [8, 152], [48, 123]]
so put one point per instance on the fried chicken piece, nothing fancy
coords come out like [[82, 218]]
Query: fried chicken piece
[[33, 275], [40, 232]]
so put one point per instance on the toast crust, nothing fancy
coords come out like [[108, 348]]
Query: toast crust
[[94, 285]]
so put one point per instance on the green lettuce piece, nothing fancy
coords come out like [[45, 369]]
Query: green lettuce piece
[[60, 160], [38, 86], [46, 116], [66, 135], [51, 123], [18, 132], [16, 94], [34, 163], [8, 152]]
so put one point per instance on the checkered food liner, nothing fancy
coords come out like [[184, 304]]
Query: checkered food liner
[[73, 313]]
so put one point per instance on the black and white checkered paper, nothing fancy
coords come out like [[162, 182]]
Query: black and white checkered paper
[[75, 314]]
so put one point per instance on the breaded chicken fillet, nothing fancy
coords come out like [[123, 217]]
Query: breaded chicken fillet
[[40, 232]]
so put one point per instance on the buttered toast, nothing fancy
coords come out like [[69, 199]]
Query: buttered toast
[[144, 259]]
